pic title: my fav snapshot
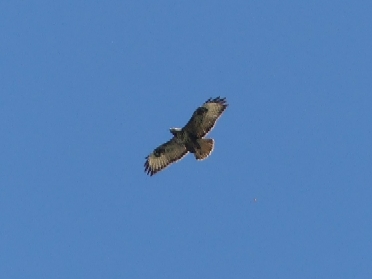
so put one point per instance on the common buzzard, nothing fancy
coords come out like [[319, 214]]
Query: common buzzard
[[188, 139]]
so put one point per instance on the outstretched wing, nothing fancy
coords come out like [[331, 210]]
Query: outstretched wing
[[204, 118], [164, 155]]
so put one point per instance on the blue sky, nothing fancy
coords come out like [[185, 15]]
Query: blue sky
[[88, 89]]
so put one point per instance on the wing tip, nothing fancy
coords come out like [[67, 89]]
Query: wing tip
[[218, 100], [148, 170]]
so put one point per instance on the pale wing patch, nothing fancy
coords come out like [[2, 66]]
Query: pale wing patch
[[205, 117], [166, 154]]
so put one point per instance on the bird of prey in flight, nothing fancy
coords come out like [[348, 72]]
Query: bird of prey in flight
[[189, 138]]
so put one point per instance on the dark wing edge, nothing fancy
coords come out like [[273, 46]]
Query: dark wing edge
[[205, 117], [164, 155]]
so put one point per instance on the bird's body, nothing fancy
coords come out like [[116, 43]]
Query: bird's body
[[189, 138]]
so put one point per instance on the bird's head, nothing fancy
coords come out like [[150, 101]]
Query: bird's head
[[174, 131]]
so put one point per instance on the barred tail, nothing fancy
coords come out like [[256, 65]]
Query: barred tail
[[206, 148]]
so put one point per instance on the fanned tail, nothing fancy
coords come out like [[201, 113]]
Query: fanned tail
[[206, 148]]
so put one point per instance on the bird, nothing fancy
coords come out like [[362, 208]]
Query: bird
[[189, 139]]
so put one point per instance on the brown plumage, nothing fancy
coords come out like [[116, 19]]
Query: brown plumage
[[189, 138]]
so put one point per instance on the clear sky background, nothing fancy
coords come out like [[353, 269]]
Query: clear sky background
[[88, 89]]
